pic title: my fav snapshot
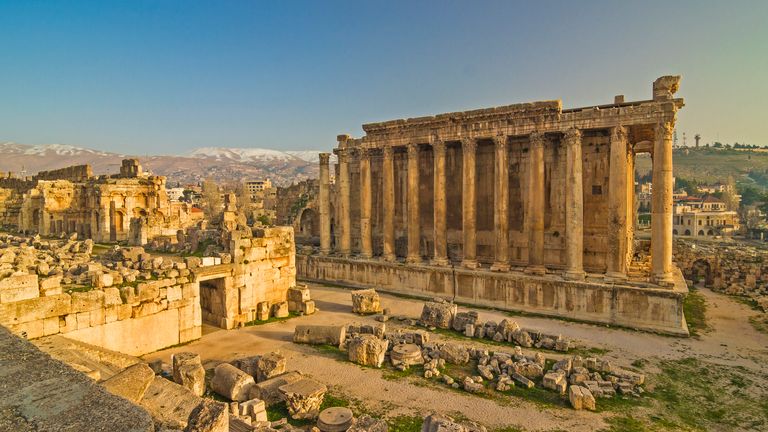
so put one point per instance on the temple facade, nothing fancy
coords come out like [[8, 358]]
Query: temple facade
[[529, 189]]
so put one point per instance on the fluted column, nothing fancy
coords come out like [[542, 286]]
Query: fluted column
[[661, 212], [501, 207], [536, 205], [388, 174], [414, 230], [345, 239], [325, 204], [468, 148], [439, 224], [617, 205], [366, 240], [574, 207]]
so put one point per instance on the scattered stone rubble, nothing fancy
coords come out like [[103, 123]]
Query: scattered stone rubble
[[365, 302]]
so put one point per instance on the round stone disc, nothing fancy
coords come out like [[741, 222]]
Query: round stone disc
[[335, 419]]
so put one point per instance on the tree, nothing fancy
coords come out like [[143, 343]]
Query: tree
[[211, 199], [730, 197]]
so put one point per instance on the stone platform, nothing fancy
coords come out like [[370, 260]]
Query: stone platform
[[638, 307]]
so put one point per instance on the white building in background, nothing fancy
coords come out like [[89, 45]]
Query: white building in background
[[175, 194], [255, 187]]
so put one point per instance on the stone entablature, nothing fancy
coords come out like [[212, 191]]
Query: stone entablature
[[526, 184]]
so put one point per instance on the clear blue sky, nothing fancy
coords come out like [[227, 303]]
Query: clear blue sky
[[148, 77]]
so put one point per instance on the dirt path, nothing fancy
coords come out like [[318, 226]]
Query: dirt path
[[732, 341]]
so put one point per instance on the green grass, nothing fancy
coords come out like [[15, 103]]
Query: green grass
[[625, 424], [405, 423], [77, 288], [588, 352], [695, 309]]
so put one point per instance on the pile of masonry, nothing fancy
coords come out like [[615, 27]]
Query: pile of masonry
[[440, 313], [582, 380]]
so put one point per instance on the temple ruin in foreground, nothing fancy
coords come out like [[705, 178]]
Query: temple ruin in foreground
[[524, 207]]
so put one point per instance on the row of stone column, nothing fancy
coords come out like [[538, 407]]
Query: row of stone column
[[618, 205]]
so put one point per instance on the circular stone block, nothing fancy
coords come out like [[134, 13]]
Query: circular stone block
[[335, 419], [409, 354]]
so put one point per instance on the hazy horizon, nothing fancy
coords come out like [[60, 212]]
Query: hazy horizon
[[168, 77]]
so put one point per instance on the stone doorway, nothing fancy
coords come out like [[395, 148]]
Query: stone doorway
[[212, 300], [701, 272]]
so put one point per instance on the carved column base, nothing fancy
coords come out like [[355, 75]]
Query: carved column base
[[663, 279], [365, 256], [537, 270], [413, 260], [325, 252], [500, 267], [470, 264], [440, 261], [574, 275], [390, 258]]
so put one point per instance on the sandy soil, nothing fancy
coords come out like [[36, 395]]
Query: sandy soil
[[731, 341]]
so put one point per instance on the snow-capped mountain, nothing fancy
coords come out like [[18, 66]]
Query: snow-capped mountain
[[218, 163]]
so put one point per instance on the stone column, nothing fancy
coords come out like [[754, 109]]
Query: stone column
[[661, 211], [574, 207], [388, 173], [501, 207], [325, 205], [414, 232], [536, 205], [617, 206], [468, 148], [441, 243], [345, 239], [366, 241]]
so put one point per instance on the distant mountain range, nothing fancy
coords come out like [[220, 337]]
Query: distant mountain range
[[217, 163]]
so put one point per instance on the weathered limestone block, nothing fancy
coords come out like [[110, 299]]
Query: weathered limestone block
[[231, 382], [280, 310], [367, 350], [438, 314], [87, 301], [50, 286], [581, 398], [131, 383], [442, 423], [262, 311], [269, 390], [320, 334], [17, 288], [462, 319], [525, 382], [454, 353], [304, 398], [112, 297], [269, 366], [209, 416], [366, 301], [256, 409], [555, 381], [297, 296], [249, 365], [307, 307], [188, 372], [367, 423]]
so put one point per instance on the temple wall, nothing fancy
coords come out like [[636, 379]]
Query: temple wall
[[658, 310], [134, 320]]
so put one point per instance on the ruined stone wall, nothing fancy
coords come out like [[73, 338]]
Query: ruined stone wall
[[134, 319], [75, 173], [732, 267]]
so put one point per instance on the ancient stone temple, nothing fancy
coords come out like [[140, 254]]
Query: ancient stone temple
[[73, 200], [532, 204]]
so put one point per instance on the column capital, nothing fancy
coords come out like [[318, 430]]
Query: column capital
[[324, 158], [500, 141], [537, 139], [664, 130], [468, 144], [343, 154], [413, 149], [388, 150], [619, 133], [438, 145], [573, 136], [364, 152]]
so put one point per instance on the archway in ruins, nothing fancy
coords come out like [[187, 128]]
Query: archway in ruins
[[36, 219], [212, 300], [701, 272], [309, 224]]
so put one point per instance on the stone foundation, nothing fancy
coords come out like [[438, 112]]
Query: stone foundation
[[643, 308]]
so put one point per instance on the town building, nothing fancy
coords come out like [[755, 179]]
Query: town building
[[704, 217]]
